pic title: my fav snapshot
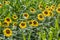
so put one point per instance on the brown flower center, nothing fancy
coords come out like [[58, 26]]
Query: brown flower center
[[30, 22], [8, 31], [25, 15], [22, 24], [8, 19], [34, 22], [40, 16], [46, 12], [59, 9]]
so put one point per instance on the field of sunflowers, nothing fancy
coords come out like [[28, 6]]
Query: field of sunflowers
[[29, 19]]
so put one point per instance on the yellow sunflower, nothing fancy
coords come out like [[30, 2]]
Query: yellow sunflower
[[7, 2], [26, 15], [8, 20], [1, 5], [46, 13], [40, 7], [58, 10], [40, 17], [30, 22], [53, 7], [5, 24], [51, 14], [35, 23], [14, 17], [7, 32], [47, 7], [15, 24], [22, 25], [32, 10]]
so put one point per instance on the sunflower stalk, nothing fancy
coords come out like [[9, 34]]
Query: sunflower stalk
[[50, 35], [29, 36], [24, 37]]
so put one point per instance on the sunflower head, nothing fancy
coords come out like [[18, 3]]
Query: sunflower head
[[26, 15], [40, 17], [22, 25], [6, 2], [35, 23], [32, 10], [15, 24], [15, 17], [8, 20], [7, 32], [5, 24], [40, 6], [58, 10], [30, 22], [46, 13], [53, 7], [1, 5]]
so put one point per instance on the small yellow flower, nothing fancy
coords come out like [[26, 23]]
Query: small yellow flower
[[51, 14], [58, 10], [47, 7], [30, 22], [5, 24], [26, 15], [40, 7], [7, 32], [35, 23], [32, 10], [15, 24], [40, 17], [15, 17], [53, 7], [7, 19], [7, 2], [1, 5], [46, 13], [22, 25]]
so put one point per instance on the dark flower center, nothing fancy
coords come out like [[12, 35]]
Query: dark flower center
[[34, 22], [22, 24], [8, 19], [25, 15], [59, 9], [8, 31], [30, 22], [46, 12], [40, 16]]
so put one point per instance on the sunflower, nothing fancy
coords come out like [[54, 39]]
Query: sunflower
[[51, 14], [35, 23], [30, 22], [15, 24], [7, 2], [5, 24], [58, 10], [26, 15], [46, 13], [40, 17], [32, 10], [0, 5], [40, 6], [53, 7], [22, 25], [7, 19], [7, 32], [14, 17], [47, 7]]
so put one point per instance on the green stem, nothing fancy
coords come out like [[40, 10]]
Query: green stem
[[29, 36], [24, 38]]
